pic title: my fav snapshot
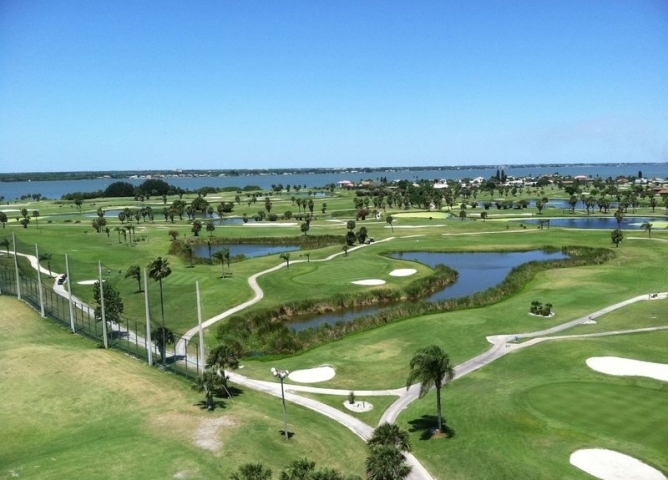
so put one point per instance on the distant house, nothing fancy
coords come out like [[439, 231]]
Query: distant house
[[345, 184]]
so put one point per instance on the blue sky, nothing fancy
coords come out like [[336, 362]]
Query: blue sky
[[227, 84]]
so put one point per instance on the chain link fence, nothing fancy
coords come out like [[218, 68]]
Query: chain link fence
[[60, 288]]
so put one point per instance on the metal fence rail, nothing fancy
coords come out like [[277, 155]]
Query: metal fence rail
[[128, 336]]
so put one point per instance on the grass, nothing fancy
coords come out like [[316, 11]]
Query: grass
[[512, 419], [73, 411], [523, 415]]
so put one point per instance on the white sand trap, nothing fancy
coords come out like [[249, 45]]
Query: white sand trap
[[403, 272], [611, 465], [371, 281], [358, 406], [88, 282], [313, 375], [626, 366]]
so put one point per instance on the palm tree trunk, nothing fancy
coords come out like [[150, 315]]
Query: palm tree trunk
[[162, 342], [438, 407]]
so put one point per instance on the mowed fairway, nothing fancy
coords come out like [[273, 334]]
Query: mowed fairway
[[522, 416], [70, 410]]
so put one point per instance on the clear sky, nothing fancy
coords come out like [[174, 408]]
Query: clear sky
[[148, 84]]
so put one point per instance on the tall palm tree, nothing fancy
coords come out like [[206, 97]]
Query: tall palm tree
[[163, 336], [389, 434], [430, 366], [285, 256], [157, 270]]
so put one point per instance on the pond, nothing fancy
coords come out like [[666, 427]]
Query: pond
[[248, 250], [628, 223], [477, 272]]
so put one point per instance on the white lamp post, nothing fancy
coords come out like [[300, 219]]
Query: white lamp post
[[281, 374]]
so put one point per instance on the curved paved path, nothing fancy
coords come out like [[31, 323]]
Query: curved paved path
[[500, 347]]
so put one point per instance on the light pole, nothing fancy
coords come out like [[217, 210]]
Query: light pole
[[281, 374]]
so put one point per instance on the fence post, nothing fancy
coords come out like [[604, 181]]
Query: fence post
[[149, 346], [104, 319], [201, 333], [39, 283], [16, 267], [69, 288]]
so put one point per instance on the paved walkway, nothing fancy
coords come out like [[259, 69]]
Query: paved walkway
[[501, 345]]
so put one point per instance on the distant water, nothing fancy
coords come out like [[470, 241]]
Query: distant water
[[54, 190]]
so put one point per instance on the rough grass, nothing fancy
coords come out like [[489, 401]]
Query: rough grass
[[70, 410]]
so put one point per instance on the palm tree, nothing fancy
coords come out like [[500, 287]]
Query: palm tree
[[3, 219], [134, 271], [298, 470], [163, 336], [389, 434], [251, 471], [220, 358], [208, 383], [431, 366], [648, 228], [157, 270], [286, 256], [619, 216], [389, 221], [220, 256], [386, 463]]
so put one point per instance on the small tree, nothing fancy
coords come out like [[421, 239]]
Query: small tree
[[616, 236], [113, 304], [389, 219], [173, 234]]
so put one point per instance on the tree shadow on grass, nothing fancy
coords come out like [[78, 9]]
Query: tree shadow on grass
[[427, 426]]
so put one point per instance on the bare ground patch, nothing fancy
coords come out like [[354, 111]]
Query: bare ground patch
[[207, 435]]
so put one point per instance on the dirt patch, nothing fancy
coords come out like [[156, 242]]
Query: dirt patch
[[207, 434]]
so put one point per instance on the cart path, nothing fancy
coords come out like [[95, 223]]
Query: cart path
[[500, 347]]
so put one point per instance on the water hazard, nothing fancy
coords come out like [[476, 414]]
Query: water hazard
[[477, 272]]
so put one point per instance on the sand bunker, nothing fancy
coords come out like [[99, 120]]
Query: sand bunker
[[626, 366], [611, 465], [358, 406], [313, 375], [403, 272], [372, 281], [88, 282]]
